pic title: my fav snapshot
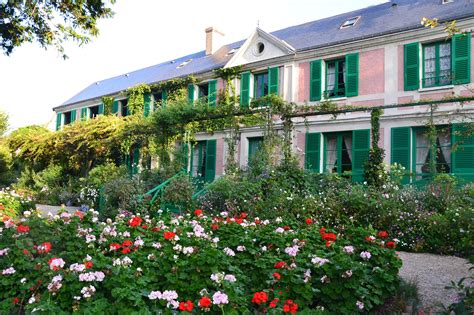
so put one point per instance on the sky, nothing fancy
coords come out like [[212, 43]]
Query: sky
[[142, 33]]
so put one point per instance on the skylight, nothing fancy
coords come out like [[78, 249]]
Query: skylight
[[184, 63], [232, 51], [350, 22]]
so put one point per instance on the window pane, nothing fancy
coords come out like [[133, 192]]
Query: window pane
[[331, 78], [341, 78], [443, 151], [331, 154], [430, 66], [445, 63]]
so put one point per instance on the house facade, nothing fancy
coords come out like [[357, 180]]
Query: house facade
[[376, 56]]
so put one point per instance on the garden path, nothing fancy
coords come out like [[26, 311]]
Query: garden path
[[433, 273]]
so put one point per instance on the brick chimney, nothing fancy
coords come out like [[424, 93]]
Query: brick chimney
[[214, 40]]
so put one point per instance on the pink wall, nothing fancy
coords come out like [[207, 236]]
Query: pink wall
[[301, 144], [381, 140], [436, 96], [370, 103], [372, 72], [220, 156], [303, 82], [401, 79]]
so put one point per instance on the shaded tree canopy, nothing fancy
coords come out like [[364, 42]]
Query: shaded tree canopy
[[50, 22]]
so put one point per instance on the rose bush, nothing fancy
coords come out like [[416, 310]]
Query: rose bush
[[192, 263]]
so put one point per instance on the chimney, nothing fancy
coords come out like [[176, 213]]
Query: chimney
[[214, 40]]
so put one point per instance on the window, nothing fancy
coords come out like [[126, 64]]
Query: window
[[260, 85], [437, 64], [183, 63], [158, 99], [424, 154], [338, 152], [255, 144], [203, 90], [203, 162], [199, 160], [350, 22], [93, 111], [67, 118], [124, 110], [336, 78]]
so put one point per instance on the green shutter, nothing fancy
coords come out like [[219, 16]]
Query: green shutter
[[312, 152], [73, 116], [463, 151], [352, 74], [210, 160], [101, 108], [360, 153], [115, 107], [411, 66], [245, 89], [59, 116], [164, 97], [146, 104], [400, 152], [191, 93], [212, 93], [273, 78], [255, 144], [461, 58], [83, 113], [315, 74]]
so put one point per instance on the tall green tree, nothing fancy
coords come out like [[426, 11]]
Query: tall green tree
[[50, 22]]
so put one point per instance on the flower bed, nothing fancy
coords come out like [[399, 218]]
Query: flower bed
[[192, 263]]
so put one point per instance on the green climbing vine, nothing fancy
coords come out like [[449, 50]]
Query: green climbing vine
[[135, 96], [375, 172], [108, 103]]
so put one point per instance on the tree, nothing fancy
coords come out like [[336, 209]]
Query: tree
[[50, 22], [3, 123]]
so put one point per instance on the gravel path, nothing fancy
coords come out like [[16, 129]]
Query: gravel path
[[432, 273]]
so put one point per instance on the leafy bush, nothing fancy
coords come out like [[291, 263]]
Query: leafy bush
[[235, 265], [12, 204], [121, 194], [104, 173]]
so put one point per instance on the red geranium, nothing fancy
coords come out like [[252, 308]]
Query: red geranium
[[205, 302], [44, 248], [127, 243], [322, 230], [198, 212], [114, 246], [257, 221], [23, 228], [286, 228], [276, 275], [169, 235], [186, 306], [239, 220], [215, 227], [243, 215], [125, 250], [328, 244], [290, 307], [309, 221], [280, 265], [135, 221], [273, 303], [16, 300], [79, 214], [260, 297], [89, 264], [26, 252], [391, 245], [329, 237], [383, 234]]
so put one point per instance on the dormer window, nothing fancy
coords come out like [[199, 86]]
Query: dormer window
[[350, 22], [184, 63], [232, 51]]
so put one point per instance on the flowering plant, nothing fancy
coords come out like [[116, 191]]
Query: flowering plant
[[191, 263]]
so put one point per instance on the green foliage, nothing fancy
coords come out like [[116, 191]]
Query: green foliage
[[244, 248], [375, 171], [104, 173], [108, 102], [175, 88], [121, 194], [13, 204], [464, 296], [135, 99], [50, 23], [6, 163], [3, 122]]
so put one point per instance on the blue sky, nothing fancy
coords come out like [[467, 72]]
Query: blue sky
[[142, 33]]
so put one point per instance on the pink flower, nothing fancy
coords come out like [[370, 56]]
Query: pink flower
[[220, 298]]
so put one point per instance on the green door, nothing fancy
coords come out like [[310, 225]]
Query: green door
[[255, 144], [203, 163]]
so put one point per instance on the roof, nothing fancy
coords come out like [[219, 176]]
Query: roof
[[389, 17]]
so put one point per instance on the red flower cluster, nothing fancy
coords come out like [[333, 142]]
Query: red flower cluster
[[383, 234], [328, 237], [135, 221], [198, 212], [79, 214], [280, 265], [290, 307], [309, 221], [15, 300], [44, 248], [126, 246], [169, 235], [260, 297], [88, 264], [205, 302], [186, 306], [391, 245], [274, 303], [114, 246], [276, 275], [23, 228]]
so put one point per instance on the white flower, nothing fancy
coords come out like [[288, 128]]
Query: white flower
[[292, 251], [365, 255], [23, 280], [230, 278], [138, 242], [240, 248], [229, 252], [220, 298], [215, 240], [31, 300], [156, 245], [8, 271], [347, 274], [154, 295], [348, 249], [217, 277], [360, 305], [77, 267], [4, 252], [188, 250], [319, 261], [279, 230], [56, 263], [169, 295], [26, 214], [278, 220], [87, 292]]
